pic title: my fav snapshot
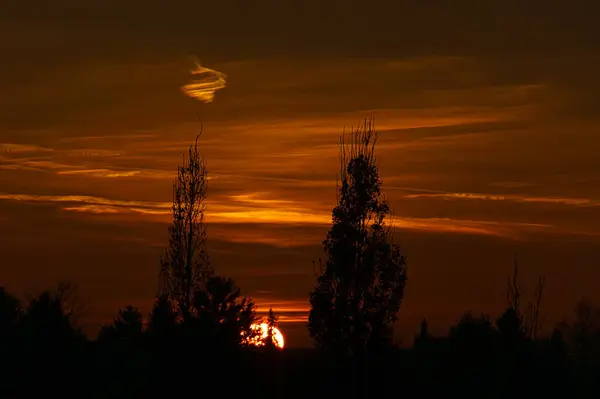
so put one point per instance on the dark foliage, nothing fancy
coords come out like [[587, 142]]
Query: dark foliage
[[127, 360], [362, 280]]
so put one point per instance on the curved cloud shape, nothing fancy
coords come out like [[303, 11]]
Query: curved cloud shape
[[206, 82]]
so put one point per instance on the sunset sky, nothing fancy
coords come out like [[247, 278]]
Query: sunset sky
[[488, 111]]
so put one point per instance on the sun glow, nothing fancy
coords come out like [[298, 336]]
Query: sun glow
[[263, 331]]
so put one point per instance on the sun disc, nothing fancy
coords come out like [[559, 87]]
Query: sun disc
[[262, 330]]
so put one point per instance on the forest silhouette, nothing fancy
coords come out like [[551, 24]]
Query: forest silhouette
[[200, 338]]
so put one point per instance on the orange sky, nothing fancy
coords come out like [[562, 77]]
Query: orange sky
[[489, 144]]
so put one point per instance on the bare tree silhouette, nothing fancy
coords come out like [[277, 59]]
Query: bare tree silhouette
[[514, 321], [185, 267], [360, 289]]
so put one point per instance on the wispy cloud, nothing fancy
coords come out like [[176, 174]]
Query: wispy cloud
[[58, 168], [579, 202], [16, 157], [254, 198], [31, 164], [206, 82], [108, 173], [90, 152], [83, 203], [387, 119], [232, 213], [98, 209], [514, 230], [9, 148], [108, 137], [101, 173]]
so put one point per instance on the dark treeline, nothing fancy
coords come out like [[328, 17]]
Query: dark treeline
[[201, 340]]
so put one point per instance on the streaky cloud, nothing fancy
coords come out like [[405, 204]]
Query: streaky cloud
[[10, 148], [86, 203], [101, 173], [108, 137], [230, 213], [578, 202], [47, 164], [87, 153], [206, 82], [29, 164]]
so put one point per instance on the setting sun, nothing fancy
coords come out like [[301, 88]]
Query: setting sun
[[263, 331]]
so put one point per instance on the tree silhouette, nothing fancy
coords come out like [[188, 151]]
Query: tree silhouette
[[511, 323], [185, 266], [50, 318], [162, 321], [209, 312], [422, 339], [424, 330], [473, 331], [127, 326], [223, 317], [271, 341], [362, 281], [49, 339], [10, 317], [582, 335], [10, 314], [514, 323]]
